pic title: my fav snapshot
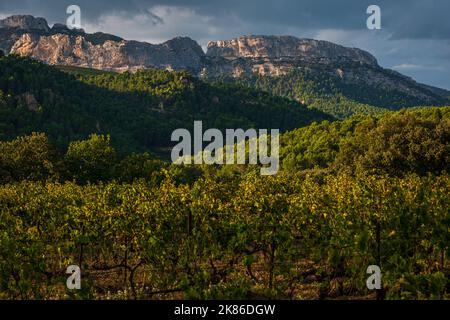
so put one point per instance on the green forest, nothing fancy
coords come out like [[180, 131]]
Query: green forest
[[84, 180], [139, 110], [323, 89]]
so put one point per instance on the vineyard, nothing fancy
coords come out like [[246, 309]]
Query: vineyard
[[84, 181], [282, 236]]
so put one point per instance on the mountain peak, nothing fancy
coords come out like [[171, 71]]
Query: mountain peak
[[185, 44], [25, 22], [62, 28]]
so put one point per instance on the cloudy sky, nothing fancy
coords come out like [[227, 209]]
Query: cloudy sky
[[414, 39]]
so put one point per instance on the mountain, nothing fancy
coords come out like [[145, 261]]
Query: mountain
[[25, 22], [32, 37], [277, 55], [321, 74], [337, 80]]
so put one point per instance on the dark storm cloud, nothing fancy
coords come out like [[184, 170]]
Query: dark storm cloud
[[403, 18], [155, 19]]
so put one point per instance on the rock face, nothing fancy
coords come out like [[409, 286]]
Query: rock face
[[269, 55], [277, 55], [286, 47], [106, 54], [29, 100], [28, 36]]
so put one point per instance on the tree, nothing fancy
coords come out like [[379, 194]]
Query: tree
[[90, 160], [137, 166], [30, 157], [398, 144]]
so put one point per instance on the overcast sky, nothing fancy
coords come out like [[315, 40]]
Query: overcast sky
[[414, 39]]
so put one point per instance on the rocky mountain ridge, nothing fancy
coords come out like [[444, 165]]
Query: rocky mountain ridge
[[244, 56], [25, 22], [29, 36], [279, 47]]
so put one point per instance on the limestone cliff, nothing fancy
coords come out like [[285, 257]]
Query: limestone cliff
[[25, 22], [31, 37], [244, 56], [277, 55], [286, 47]]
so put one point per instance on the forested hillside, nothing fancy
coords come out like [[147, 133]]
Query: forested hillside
[[139, 110], [325, 90]]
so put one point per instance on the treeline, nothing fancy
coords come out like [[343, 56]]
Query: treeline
[[36, 158], [409, 141], [397, 143]]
